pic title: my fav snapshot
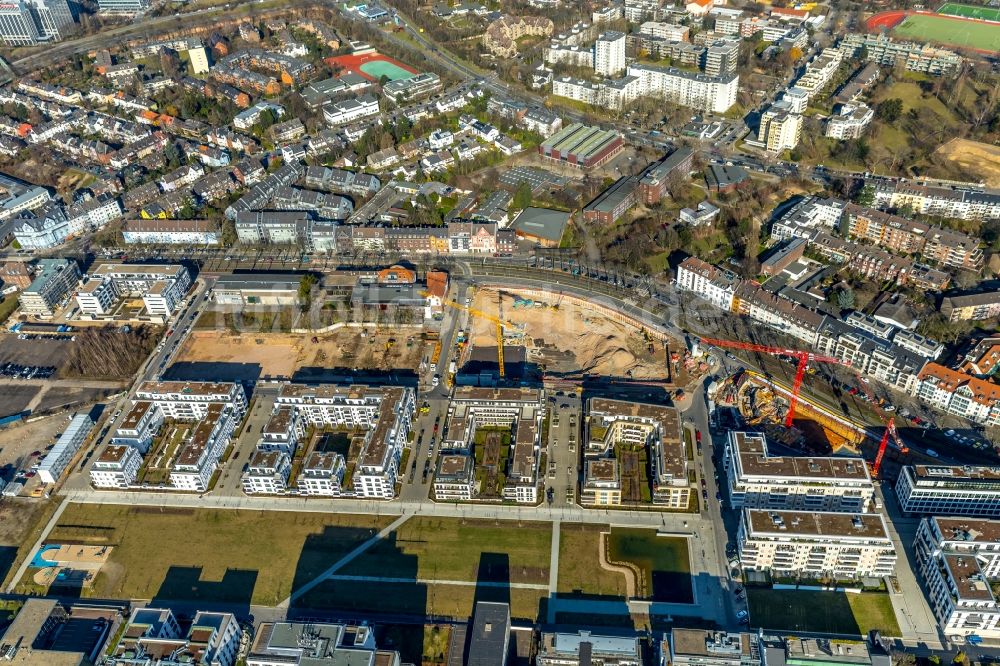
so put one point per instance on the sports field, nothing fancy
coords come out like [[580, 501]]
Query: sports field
[[970, 11], [372, 66], [379, 68], [950, 31]]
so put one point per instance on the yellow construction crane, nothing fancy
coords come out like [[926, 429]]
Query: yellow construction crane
[[500, 323]]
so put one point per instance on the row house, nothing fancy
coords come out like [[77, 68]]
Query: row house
[[50, 109], [964, 202], [960, 394], [215, 186], [715, 285], [93, 213]]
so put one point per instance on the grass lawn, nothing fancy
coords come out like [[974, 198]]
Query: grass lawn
[[912, 96], [452, 601], [970, 11], [944, 30], [663, 562], [7, 307], [830, 612], [452, 549], [210, 555], [580, 571], [427, 644]]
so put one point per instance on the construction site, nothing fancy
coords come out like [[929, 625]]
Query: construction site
[[281, 355], [763, 404], [797, 422], [570, 338]]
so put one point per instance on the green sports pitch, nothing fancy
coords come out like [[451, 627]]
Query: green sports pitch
[[950, 31], [970, 11]]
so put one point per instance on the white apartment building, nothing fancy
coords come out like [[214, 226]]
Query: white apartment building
[[819, 71], [966, 202], [713, 94], [669, 31], [283, 431], [267, 474], [779, 130], [850, 122], [949, 490], [322, 475], [810, 213], [569, 54], [190, 401], [609, 53], [117, 467], [93, 214], [715, 285], [958, 393], [385, 415], [152, 636], [66, 447], [349, 110], [615, 423], [816, 544], [172, 232], [198, 457], [161, 287], [454, 479], [758, 480], [959, 560], [521, 410]]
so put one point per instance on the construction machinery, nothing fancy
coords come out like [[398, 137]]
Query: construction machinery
[[803, 359], [500, 324]]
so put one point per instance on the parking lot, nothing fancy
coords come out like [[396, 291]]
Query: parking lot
[[38, 351], [563, 455], [23, 445]]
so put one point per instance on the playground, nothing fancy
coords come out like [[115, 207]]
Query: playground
[[68, 565], [373, 66]]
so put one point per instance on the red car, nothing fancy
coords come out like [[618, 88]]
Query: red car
[[697, 436]]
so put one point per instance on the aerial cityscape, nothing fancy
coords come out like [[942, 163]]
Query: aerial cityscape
[[555, 332]]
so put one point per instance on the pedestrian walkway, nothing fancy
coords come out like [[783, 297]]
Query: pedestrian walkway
[[553, 569], [26, 561], [439, 581], [344, 561]]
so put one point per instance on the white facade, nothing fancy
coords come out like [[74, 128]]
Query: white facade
[[322, 475], [267, 474], [118, 467], [385, 414], [959, 560], [712, 284], [609, 53], [758, 480], [190, 401], [198, 457], [850, 123], [139, 426], [816, 544], [705, 93], [66, 447], [341, 113]]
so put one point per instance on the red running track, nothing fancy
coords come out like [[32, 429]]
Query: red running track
[[885, 20]]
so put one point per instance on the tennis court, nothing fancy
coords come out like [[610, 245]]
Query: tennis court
[[970, 11], [950, 31]]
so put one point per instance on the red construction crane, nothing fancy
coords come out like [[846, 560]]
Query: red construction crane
[[804, 358]]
